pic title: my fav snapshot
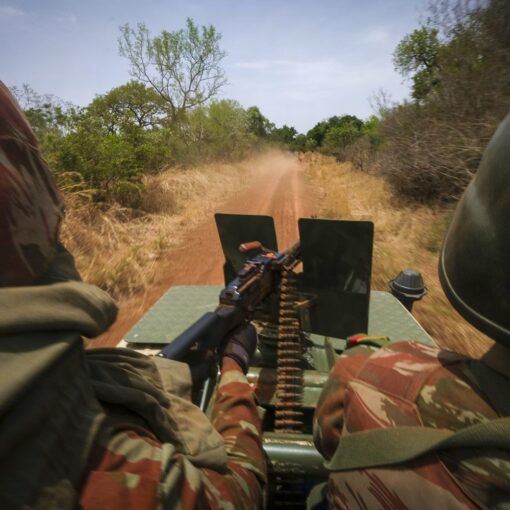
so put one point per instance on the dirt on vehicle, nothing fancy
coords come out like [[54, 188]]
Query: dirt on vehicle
[[281, 191]]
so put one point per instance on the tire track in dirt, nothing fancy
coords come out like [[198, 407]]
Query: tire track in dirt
[[280, 191]]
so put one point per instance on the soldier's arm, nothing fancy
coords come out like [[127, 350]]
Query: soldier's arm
[[236, 419], [329, 414]]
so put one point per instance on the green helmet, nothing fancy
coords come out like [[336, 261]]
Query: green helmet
[[474, 265]]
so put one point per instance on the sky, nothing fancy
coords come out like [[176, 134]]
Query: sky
[[299, 61]]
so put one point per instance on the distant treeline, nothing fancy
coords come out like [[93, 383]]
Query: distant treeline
[[427, 147]]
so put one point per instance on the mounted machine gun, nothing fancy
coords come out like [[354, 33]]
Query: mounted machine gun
[[304, 301]]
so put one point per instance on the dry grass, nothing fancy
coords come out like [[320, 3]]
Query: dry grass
[[118, 249], [404, 237]]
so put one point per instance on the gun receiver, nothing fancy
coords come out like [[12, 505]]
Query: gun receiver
[[241, 300]]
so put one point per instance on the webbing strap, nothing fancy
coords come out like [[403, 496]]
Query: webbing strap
[[385, 447]]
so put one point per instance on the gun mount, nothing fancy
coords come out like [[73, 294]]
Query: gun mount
[[305, 303]]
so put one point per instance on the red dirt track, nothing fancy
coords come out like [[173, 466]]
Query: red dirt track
[[280, 192]]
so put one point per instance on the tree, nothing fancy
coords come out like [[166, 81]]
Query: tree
[[285, 135], [317, 133], [132, 104], [299, 144], [182, 66], [346, 124], [46, 113], [371, 131], [258, 124], [417, 56], [218, 130]]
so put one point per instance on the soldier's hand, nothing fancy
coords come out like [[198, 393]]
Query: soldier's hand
[[202, 364], [240, 345]]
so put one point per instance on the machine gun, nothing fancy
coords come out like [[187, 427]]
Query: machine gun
[[290, 295], [333, 262], [242, 300]]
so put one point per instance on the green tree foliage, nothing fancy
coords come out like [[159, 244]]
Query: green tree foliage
[[50, 117], [371, 130], [106, 161], [134, 113], [333, 135], [300, 143], [259, 125], [217, 131], [317, 133], [285, 135], [132, 104], [343, 123], [124, 133], [416, 56], [46, 112], [432, 145], [183, 66]]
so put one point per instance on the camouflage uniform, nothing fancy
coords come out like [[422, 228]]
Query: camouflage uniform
[[131, 468], [30, 205], [411, 384]]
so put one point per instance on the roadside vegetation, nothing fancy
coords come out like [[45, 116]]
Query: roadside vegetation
[[428, 147], [119, 248]]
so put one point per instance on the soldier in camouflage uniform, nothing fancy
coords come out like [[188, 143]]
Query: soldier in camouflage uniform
[[122, 433], [410, 384]]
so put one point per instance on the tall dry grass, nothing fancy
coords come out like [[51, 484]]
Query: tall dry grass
[[118, 248], [404, 237]]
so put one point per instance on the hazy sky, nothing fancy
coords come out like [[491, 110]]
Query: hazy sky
[[299, 61]]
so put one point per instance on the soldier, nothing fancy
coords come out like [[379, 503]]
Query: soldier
[[103, 428], [406, 400]]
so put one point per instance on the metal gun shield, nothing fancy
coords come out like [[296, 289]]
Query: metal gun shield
[[337, 266]]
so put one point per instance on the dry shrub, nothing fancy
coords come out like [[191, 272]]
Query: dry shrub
[[428, 159], [433, 145], [118, 248], [404, 237]]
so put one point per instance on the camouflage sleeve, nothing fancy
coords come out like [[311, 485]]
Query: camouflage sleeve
[[241, 482], [328, 418], [236, 419]]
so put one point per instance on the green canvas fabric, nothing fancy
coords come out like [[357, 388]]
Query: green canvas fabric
[[49, 414], [385, 447], [49, 417], [67, 306]]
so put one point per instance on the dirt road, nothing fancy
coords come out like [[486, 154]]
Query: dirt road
[[280, 191]]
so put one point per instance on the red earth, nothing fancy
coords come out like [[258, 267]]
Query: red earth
[[280, 191]]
